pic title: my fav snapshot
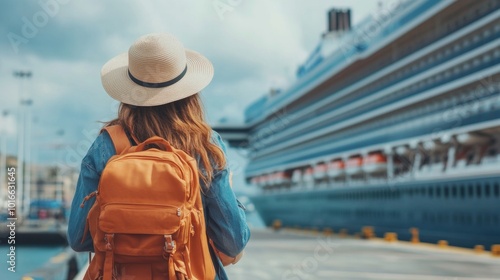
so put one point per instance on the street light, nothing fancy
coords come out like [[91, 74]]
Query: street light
[[3, 159], [23, 195]]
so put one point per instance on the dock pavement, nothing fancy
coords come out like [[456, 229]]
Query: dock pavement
[[300, 255]]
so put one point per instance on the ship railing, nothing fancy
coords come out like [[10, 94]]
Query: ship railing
[[455, 76], [476, 43], [475, 152], [338, 57], [491, 160]]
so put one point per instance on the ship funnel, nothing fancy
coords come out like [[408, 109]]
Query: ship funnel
[[339, 20]]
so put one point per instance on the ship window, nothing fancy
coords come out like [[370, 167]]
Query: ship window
[[496, 54], [476, 62], [462, 192], [478, 190], [487, 190], [470, 157], [466, 66], [430, 191], [454, 191], [497, 27], [476, 38], [486, 33], [438, 191], [465, 42], [497, 189], [471, 191], [486, 58], [446, 191], [447, 52]]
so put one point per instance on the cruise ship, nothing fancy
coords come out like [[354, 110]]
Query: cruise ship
[[393, 124]]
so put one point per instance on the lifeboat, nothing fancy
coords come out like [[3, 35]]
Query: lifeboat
[[472, 139], [264, 181], [257, 181], [462, 157], [309, 177], [354, 165], [269, 179], [491, 155], [434, 145], [281, 178], [375, 163], [402, 150], [336, 168], [320, 171], [297, 176], [254, 181]]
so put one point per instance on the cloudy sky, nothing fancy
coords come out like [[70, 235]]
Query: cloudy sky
[[253, 44]]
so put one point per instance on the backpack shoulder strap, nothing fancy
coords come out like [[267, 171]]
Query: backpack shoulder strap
[[119, 138]]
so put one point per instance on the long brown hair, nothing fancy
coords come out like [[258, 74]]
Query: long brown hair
[[182, 124]]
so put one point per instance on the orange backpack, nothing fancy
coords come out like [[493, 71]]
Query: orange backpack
[[147, 221]]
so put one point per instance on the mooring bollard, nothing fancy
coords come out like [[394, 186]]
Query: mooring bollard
[[479, 248], [495, 250], [277, 224], [391, 237], [414, 235], [328, 231], [367, 232], [443, 243]]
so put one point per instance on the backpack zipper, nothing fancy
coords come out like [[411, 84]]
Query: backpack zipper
[[92, 194]]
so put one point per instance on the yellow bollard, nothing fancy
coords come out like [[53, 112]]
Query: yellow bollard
[[442, 243], [414, 235], [479, 248], [391, 236], [343, 232], [277, 224], [367, 232], [495, 250], [328, 231]]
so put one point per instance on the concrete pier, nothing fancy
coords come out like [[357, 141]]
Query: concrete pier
[[299, 255], [294, 255]]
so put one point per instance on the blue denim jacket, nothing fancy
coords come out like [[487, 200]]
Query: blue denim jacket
[[224, 215]]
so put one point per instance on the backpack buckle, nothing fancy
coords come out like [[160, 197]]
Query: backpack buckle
[[108, 237], [169, 244]]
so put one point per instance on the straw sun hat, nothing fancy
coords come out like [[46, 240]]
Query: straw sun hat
[[156, 70]]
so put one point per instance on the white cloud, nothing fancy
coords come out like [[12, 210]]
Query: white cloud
[[257, 45]]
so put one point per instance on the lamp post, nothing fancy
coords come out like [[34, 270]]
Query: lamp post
[[59, 178], [3, 158], [22, 198], [27, 155]]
